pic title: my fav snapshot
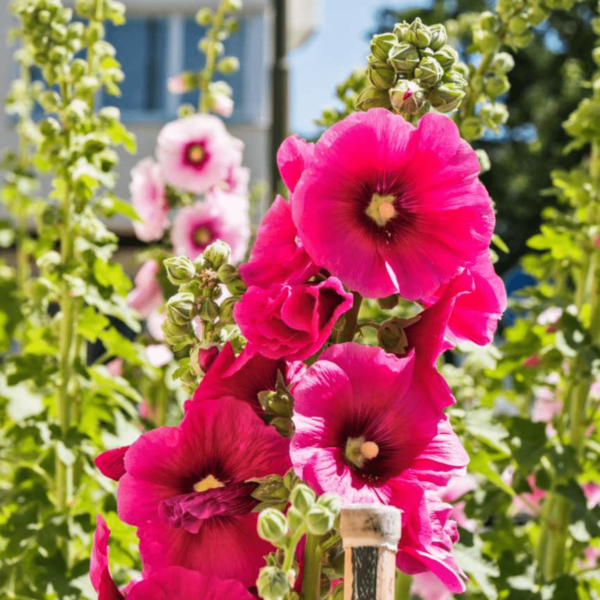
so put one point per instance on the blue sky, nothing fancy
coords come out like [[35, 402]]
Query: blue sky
[[338, 46]]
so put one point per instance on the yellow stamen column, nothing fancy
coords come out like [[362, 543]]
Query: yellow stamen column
[[370, 534]]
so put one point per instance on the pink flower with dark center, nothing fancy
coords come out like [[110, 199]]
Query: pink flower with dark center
[[196, 227], [147, 189], [291, 321], [146, 297], [278, 255], [389, 208], [171, 583], [476, 312], [244, 377], [186, 489], [237, 181], [196, 152], [365, 431]]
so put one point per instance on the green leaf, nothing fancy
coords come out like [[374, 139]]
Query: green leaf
[[124, 208], [91, 324], [474, 563]]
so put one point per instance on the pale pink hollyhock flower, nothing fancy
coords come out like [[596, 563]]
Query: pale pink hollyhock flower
[[115, 367], [154, 323], [453, 492], [428, 587], [196, 227], [525, 502], [408, 198], [177, 85], [278, 255], [186, 489], [550, 316], [595, 388], [237, 181], [243, 377], [146, 297], [223, 105], [158, 355], [147, 189], [365, 431], [476, 313], [196, 152], [546, 405], [171, 583], [291, 321], [592, 492]]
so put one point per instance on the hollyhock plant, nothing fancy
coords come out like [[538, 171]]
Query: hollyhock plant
[[146, 297], [291, 321], [148, 196], [171, 583], [293, 157], [196, 153], [278, 255], [196, 227], [186, 489], [408, 198]]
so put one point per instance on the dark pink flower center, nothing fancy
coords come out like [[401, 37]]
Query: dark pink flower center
[[196, 155], [202, 236]]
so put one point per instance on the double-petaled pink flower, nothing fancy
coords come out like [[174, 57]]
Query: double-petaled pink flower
[[186, 489], [387, 207], [196, 153], [171, 583], [147, 189]]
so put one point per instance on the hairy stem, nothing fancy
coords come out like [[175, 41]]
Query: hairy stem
[[311, 582]]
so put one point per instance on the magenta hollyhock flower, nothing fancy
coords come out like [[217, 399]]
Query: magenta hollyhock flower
[[111, 463], [293, 158], [291, 321], [196, 152], [147, 189], [186, 489], [146, 297], [389, 208], [278, 255], [476, 314], [196, 227], [244, 377], [171, 583]]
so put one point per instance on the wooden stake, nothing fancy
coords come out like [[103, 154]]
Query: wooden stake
[[370, 534]]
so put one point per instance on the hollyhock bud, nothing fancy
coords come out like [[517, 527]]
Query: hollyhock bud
[[382, 44], [338, 592], [237, 287], [404, 58], [389, 302], [497, 85], [226, 310], [400, 30], [272, 525], [272, 584], [446, 56], [429, 72], [181, 309], [204, 17], [381, 75], [446, 97], [217, 254], [518, 25], [284, 426], [295, 519], [407, 97], [180, 270], [484, 160], [503, 62], [228, 273], [176, 334], [209, 310], [206, 358], [319, 520], [371, 97], [472, 128], [418, 34], [302, 498], [331, 502], [439, 36]]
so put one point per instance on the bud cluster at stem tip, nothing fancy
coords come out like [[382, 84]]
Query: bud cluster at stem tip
[[412, 70]]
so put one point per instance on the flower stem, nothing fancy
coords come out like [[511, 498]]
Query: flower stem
[[348, 331], [311, 582], [211, 57], [403, 583]]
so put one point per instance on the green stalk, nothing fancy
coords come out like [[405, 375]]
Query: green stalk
[[350, 326], [311, 582], [211, 57], [403, 583]]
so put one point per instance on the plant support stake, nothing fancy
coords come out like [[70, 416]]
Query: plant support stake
[[370, 535]]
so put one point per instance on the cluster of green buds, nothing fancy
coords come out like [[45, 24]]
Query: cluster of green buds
[[220, 24], [307, 514], [413, 70], [278, 405], [200, 283]]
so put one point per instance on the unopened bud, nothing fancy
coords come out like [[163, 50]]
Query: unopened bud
[[180, 270], [372, 97], [447, 56], [272, 525], [181, 309], [382, 44], [338, 592], [389, 302], [237, 287], [331, 502], [484, 160], [400, 30], [392, 337], [295, 519], [488, 21], [319, 520], [176, 334], [497, 85], [407, 97], [217, 254], [226, 310], [518, 25], [439, 37], [429, 72], [209, 311], [381, 75], [285, 427], [503, 62], [204, 17], [404, 58], [228, 65], [472, 128], [228, 273], [302, 498], [206, 358], [272, 584], [418, 34]]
